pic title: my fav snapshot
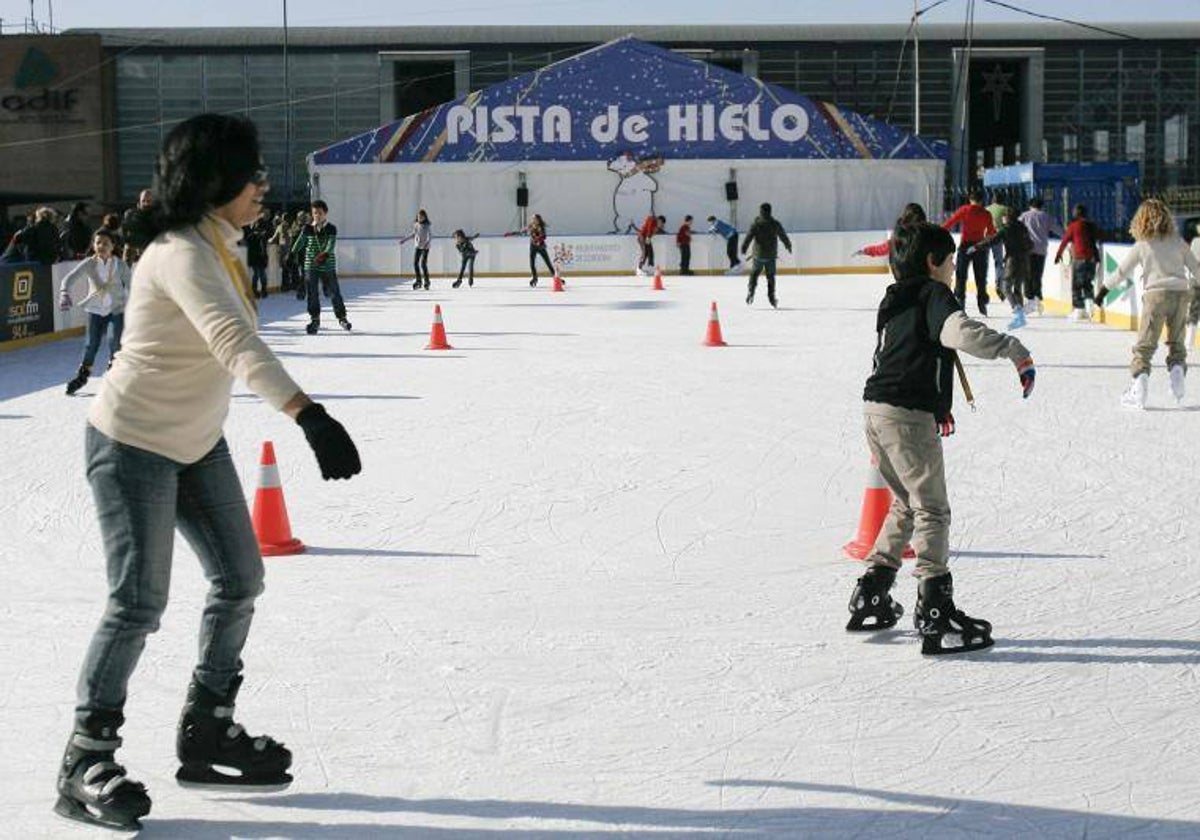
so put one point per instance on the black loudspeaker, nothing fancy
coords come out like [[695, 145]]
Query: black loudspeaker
[[522, 196], [731, 191]]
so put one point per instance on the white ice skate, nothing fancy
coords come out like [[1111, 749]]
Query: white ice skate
[[1091, 307], [1135, 397], [1189, 337], [1178, 377], [1040, 309], [1078, 315], [736, 268]]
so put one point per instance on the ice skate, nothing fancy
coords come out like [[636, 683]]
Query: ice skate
[[312, 327], [427, 285], [1018, 319], [771, 299], [750, 297], [983, 310], [217, 754], [1040, 308], [1135, 397], [417, 284], [456, 284], [1078, 315], [345, 324], [470, 281], [1178, 379], [532, 281], [1189, 336], [871, 607], [944, 628], [92, 787], [80, 379]]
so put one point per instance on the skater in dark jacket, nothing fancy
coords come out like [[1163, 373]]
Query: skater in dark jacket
[[537, 247], [466, 248], [1013, 282], [157, 461], [765, 233], [907, 410]]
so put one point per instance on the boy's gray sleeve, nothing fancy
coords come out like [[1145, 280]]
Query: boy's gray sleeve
[[970, 336]]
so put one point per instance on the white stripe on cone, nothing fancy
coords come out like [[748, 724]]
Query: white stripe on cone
[[268, 477]]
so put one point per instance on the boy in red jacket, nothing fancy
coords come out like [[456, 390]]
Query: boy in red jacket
[[1084, 238], [977, 225], [683, 241]]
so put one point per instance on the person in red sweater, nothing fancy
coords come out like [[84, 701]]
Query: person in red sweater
[[912, 214], [1084, 238], [976, 225], [683, 241], [645, 238]]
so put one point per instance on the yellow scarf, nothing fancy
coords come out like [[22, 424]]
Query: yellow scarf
[[233, 266]]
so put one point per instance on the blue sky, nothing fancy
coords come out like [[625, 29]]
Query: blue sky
[[76, 13]]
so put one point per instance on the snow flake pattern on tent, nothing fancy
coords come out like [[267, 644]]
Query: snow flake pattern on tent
[[631, 97]]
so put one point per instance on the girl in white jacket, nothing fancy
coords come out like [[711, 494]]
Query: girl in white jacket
[[1165, 263], [100, 284]]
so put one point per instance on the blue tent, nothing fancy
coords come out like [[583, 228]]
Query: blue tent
[[629, 96]]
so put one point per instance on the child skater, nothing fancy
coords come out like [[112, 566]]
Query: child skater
[[1165, 261], [907, 402], [910, 215], [467, 249], [107, 279], [1013, 282], [423, 234], [537, 247]]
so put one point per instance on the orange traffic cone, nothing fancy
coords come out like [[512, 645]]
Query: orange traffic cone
[[271, 525], [437, 335], [877, 500], [658, 286], [714, 339], [558, 286]]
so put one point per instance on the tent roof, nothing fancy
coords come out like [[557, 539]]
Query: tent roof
[[665, 105]]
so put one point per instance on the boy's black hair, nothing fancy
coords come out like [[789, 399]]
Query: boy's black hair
[[204, 163], [912, 214], [318, 204], [662, 219], [975, 194], [461, 233], [711, 219], [1080, 211], [912, 244], [1036, 202], [687, 218]]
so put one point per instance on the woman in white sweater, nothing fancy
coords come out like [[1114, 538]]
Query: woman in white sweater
[[101, 284], [1165, 261], [157, 461]]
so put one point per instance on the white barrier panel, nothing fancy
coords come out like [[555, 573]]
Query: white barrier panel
[[604, 254]]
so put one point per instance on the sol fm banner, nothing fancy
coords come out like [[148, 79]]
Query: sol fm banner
[[26, 300]]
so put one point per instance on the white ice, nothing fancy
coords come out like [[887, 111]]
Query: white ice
[[589, 583]]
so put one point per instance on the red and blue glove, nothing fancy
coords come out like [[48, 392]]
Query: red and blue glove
[[1028, 373], [945, 426]]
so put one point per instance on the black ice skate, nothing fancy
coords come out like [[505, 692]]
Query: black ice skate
[[871, 607], [345, 324], [945, 628], [92, 787], [312, 327], [456, 283], [532, 281], [416, 284], [81, 378], [773, 301], [217, 754]]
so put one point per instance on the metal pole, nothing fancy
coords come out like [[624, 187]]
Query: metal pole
[[916, 69], [287, 117], [50, 7]]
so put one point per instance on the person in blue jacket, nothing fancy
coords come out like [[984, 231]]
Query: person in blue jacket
[[730, 233]]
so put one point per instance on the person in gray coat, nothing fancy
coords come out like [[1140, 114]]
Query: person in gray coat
[[766, 233]]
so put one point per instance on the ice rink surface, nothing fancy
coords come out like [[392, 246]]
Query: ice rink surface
[[589, 583]]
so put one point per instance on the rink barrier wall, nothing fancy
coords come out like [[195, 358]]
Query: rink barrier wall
[[813, 253]]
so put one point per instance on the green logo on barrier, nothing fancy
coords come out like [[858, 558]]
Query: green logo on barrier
[[37, 70]]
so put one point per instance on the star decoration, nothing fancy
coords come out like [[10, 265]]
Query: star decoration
[[996, 82]]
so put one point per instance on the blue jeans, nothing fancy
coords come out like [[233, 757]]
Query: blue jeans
[[96, 327], [328, 279], [141, 498]]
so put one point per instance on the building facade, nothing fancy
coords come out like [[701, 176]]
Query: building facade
[[1020, 92]]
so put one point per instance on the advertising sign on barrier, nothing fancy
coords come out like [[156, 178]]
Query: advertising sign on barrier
[[26, 301]]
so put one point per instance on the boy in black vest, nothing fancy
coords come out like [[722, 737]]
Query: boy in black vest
[[907, 404]]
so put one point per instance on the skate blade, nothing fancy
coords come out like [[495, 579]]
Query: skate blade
[[78, 812], [236, 786], [211, 779], [932, 645]]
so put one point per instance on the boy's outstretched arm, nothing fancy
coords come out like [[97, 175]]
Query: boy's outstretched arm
[[977, 339]]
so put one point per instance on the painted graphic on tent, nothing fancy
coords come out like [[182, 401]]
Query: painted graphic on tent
[[633, 196], [628, 95]]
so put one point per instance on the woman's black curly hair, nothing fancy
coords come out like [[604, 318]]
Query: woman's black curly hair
[[205, 162]]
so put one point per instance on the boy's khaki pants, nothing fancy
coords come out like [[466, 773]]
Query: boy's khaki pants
[[908, 450], [1161, 307]]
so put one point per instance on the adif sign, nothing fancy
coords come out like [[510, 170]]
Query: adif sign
[[685, 123]]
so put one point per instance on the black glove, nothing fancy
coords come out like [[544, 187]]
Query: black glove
[[335, 451], [1101, 294]]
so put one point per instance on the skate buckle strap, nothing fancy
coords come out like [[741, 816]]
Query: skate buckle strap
[[223, 711], [92, 774], [87, 742]]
